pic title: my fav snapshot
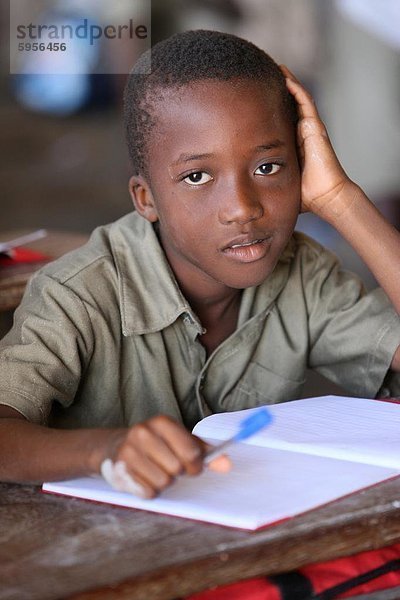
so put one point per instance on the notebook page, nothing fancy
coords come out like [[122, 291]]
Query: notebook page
[[356, 429], [264, 486]]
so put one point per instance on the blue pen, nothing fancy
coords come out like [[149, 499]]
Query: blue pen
[[249, 426]]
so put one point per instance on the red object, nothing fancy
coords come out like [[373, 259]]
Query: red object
[[362, 573], [21, 255]]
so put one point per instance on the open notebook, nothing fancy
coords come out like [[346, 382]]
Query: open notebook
[[315, 451]]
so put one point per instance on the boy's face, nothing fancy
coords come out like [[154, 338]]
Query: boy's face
[[225, 183]]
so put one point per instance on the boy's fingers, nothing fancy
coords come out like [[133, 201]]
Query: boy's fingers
[[144, 470], [304, 99], [289, 75], [117, 475], [287, 72], [148, 441], [186, 447], [153, 453], [300, 144], [221, 463]]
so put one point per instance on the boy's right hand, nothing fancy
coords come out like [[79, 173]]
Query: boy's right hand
[[147, 457]]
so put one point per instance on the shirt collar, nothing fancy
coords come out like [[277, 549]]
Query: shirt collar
[[150, 298], [149, 295]]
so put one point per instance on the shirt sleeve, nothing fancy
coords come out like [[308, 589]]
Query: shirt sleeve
[[353, 334], [44, 355]]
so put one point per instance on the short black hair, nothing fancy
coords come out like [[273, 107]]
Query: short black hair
[[184, 58]]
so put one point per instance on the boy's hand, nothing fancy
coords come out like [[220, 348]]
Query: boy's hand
[[325, 188], [146, 458]]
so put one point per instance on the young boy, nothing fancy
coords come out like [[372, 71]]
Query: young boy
[[203, 300]]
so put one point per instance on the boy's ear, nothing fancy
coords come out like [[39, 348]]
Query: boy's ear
[[142, 198]]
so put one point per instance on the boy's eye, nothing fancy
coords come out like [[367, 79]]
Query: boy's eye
[[197, 178], [268, 169]]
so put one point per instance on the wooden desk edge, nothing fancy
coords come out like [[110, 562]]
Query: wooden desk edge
[[13, 280], [255, 560], [363, 521]]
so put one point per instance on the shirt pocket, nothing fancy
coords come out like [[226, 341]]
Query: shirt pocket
[[259, 385]]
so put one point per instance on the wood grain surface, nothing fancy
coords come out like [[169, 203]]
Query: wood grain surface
[[55, 547]]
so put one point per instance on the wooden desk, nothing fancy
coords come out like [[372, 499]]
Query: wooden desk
[[13, 279], [54, 547]]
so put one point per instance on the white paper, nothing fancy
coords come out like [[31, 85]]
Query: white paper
[[355, 429], [292, 466], [264, 486]]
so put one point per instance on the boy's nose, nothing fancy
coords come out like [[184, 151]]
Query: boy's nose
[[240, 205]]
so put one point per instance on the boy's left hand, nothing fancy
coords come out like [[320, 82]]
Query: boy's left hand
[[325, 187]]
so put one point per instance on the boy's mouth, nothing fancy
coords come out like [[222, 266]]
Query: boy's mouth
[[245, 249], [245, 244]]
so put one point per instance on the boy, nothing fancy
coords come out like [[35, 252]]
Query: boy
[[202, 300]]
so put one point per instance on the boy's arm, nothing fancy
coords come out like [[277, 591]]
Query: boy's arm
[[328, 192], [154, 452]]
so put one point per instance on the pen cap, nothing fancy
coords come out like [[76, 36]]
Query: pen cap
[[254, 423]]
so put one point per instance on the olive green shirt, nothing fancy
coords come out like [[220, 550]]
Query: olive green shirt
[[104, 336]]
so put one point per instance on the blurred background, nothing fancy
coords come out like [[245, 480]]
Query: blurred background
[[64, 164], [63, 159]]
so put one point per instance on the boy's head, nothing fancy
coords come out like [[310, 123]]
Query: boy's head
[[212, 139], [185, 58]]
